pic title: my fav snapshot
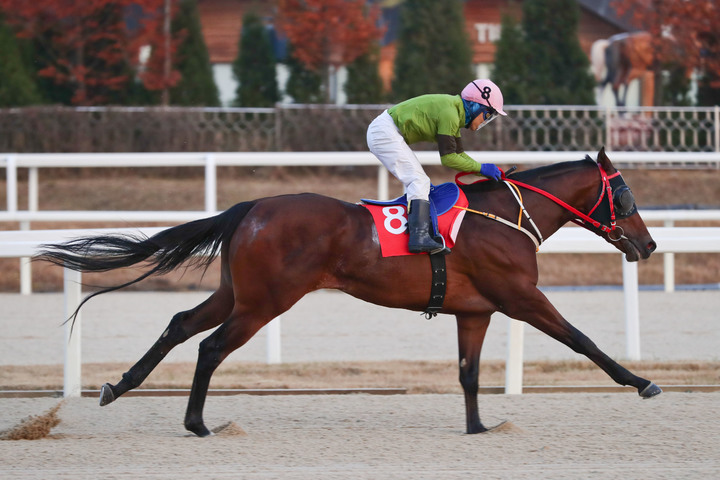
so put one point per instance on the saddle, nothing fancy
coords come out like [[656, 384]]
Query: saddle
[[442, 198], [390, 218]]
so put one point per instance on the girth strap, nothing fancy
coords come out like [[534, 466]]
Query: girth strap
[[437, 287]]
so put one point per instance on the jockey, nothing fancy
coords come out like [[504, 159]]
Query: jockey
[[432, 118]]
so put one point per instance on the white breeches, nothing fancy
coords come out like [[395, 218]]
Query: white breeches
[[388, 145]]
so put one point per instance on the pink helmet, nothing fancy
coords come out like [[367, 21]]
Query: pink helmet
[[484, 92]]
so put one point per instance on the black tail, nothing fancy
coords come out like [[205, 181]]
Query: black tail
[[195, 243]]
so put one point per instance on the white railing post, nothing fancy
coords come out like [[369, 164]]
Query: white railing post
[[608, 129], [274, 342], [25, 264], [210, 184], [12, 207], [632, 310], [11, 187], [33, 189], [25, 274], [383, 183], [514, 361], [72, 376], [669, 264]]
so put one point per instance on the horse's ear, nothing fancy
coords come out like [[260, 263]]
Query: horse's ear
[[604, 161]]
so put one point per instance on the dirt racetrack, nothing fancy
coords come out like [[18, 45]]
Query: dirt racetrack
[[548, 436]]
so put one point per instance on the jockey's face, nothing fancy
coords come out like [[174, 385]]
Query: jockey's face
[[477, 121], [482, 120]]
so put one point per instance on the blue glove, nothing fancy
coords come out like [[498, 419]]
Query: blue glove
[[491, 171]]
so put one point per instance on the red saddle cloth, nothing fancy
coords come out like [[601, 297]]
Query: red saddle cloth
[[391, 225]]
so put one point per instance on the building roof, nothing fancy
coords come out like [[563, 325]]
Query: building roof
[[605, 10]]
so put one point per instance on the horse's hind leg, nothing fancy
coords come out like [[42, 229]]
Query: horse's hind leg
[[471, 335], [183, 325], [231, 335]]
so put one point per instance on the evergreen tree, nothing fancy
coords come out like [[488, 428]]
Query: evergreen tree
[[674, 87], [197, 86], [17, 84], [77, 50], [56, 94], [364, 84], [511, 70], [708, 90], [303, 85], [254, 69], [559, 69], [433, 49]]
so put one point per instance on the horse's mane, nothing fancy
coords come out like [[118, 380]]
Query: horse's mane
[[532, 175], [556, 169]]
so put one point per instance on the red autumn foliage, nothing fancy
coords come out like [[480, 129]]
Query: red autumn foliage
[[328, 32], [86, 44], [157, 73]]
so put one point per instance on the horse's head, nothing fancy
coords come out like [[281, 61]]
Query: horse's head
[[629, 234]]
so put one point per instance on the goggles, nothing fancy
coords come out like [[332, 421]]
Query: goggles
[[474, 110], [488, 114]]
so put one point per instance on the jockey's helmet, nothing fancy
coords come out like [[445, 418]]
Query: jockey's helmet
[[484, 92]]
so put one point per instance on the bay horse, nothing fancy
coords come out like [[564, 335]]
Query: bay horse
[[275, 250]]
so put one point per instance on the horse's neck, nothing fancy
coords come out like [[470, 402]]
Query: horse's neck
[[575, 183]]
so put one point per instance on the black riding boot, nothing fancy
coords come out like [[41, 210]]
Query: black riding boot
[[419, 228]]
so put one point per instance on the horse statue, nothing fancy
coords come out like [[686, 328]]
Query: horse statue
[[275, 250], [621, 59]]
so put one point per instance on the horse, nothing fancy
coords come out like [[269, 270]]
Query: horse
[[275, 250], [621, 59]]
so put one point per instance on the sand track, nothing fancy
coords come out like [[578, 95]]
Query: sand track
[[562, 436], [553, 436]]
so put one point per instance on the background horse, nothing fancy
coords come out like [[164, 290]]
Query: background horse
[[275, 250], [621, 59]]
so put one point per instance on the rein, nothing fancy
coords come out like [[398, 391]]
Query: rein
[[537, 238], [584, 219]]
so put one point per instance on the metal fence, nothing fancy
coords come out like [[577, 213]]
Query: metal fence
[[342, 128]]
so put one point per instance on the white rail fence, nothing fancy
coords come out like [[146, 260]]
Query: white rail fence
[[211, 161], [568, 240]]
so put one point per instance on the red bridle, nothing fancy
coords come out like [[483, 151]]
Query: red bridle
[[583, 218]]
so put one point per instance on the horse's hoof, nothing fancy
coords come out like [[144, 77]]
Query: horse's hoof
[[476, 429], [106, 395], [650, 391], [198, 429], [202, 432]]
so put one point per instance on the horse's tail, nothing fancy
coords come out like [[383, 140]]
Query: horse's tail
[[195, 243]]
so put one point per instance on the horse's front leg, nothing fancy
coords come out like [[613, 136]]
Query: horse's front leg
[[537, 310], [471, 335]]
